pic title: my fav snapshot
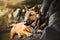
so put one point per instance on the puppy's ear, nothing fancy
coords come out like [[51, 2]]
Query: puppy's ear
[[36, 8], [26, 8]]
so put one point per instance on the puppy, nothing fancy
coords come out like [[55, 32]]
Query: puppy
[[20, 29]]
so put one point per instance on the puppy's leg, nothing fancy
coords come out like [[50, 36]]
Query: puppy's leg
[[27, 33], [19, 35], [12, 34]]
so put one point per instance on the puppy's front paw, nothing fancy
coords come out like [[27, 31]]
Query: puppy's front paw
[[29, 34], [39, 30]]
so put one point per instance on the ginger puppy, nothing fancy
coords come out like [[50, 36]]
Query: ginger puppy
[[20, 29]]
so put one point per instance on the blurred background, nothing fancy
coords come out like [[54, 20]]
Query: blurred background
[[7, 14]]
